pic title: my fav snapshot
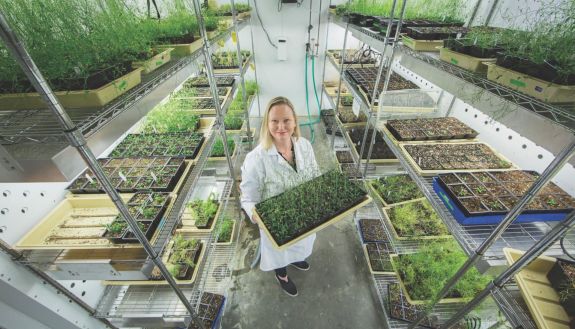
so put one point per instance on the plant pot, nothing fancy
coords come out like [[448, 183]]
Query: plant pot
[[155, 62], [75, 98], [378, 258], [210, 310]]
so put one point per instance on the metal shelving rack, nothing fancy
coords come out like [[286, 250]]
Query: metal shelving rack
[[521, 236], [37, 131], [137, 305]]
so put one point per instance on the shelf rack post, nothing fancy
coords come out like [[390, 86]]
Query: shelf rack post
[[213, 86], [386, 82], [340, 78], [77, 140], [242, 81], [545, 177], [530, 255]]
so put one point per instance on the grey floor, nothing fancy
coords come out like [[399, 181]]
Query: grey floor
[[337, 292]]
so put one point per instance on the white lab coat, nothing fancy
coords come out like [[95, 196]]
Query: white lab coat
[[265, 173]]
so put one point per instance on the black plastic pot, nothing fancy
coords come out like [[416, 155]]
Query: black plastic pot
[[559, 281]]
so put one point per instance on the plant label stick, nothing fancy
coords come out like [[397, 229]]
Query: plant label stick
[[154, 177], [89, 178], [122, 176]]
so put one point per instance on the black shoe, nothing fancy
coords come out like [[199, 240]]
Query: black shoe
[[302, 266], [289, 287]]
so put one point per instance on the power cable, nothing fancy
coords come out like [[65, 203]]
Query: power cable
[[262, 24]]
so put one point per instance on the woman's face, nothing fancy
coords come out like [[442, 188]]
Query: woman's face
[[281, 122]]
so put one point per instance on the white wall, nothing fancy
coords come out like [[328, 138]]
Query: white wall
[[517, 14]]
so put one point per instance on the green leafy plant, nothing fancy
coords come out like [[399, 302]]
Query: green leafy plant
[[308, 205], [225, 230], [204, 211], [170, 117], [425, 272], [218, 148], [394, 189], [416, 219], [117, 227], [71, 41]]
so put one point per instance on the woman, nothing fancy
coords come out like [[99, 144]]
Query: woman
[[282, 160]]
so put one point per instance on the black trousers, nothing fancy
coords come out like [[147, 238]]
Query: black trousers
[[281, 271]]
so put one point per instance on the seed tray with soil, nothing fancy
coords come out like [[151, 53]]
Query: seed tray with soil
[[416, 221], [184, 145], [202, 81], [350, 170], [309, 207], [401, 309], [486, 197], [430, 129], [329, 123], [348, 118], [366, 78], [378, 257], [148, 205], [210, 310], [372, 230], [207, 92], [430, 159], [160, 174], [206, 103], [380, 152], [344, 157], [228, 59], [119, 232], [352, 57], [436, 32], [562, 279], [397, 189]]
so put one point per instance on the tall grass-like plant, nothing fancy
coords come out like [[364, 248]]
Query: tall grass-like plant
[[71, 40], [438, 10], [179, 25]]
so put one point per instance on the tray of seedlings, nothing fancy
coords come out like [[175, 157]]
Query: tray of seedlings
[[415, 221], [349, 119], [350, 170], [422, 274], [378, 258], [202, 81], [438, 158], [328, 118], [547, 285], [365, 78], [195, 92], [210, 310], [429, 130], [371, 230], [227, 61], [480, 46], [200, 215], [308, 208], [203, 105], [226, 231], [353, 58], [147, 208], [160, 174], [395, 190], [344, 157], [218, 152], [476, 198], [430, 38], [185, 145], [381, 153]]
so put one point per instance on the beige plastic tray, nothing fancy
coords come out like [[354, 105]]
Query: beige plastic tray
[[161, 282], [75, 98], [411, 238], [189, 222], [231, 236], [434, 172], [317, 229], [385, 204], [234, 70], [542, 300], [422, 45], [422, 302], [365, 253], [155, 62], [52, 232], [543, 90], [470, 63], [185, 49], [373, 161], [383, 129]]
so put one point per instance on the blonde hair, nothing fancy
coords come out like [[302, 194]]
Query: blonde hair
[[266, 138]]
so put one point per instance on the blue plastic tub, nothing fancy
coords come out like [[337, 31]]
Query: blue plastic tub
[[490, 219]]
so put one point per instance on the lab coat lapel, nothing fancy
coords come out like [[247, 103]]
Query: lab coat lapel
[[275, 156]]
